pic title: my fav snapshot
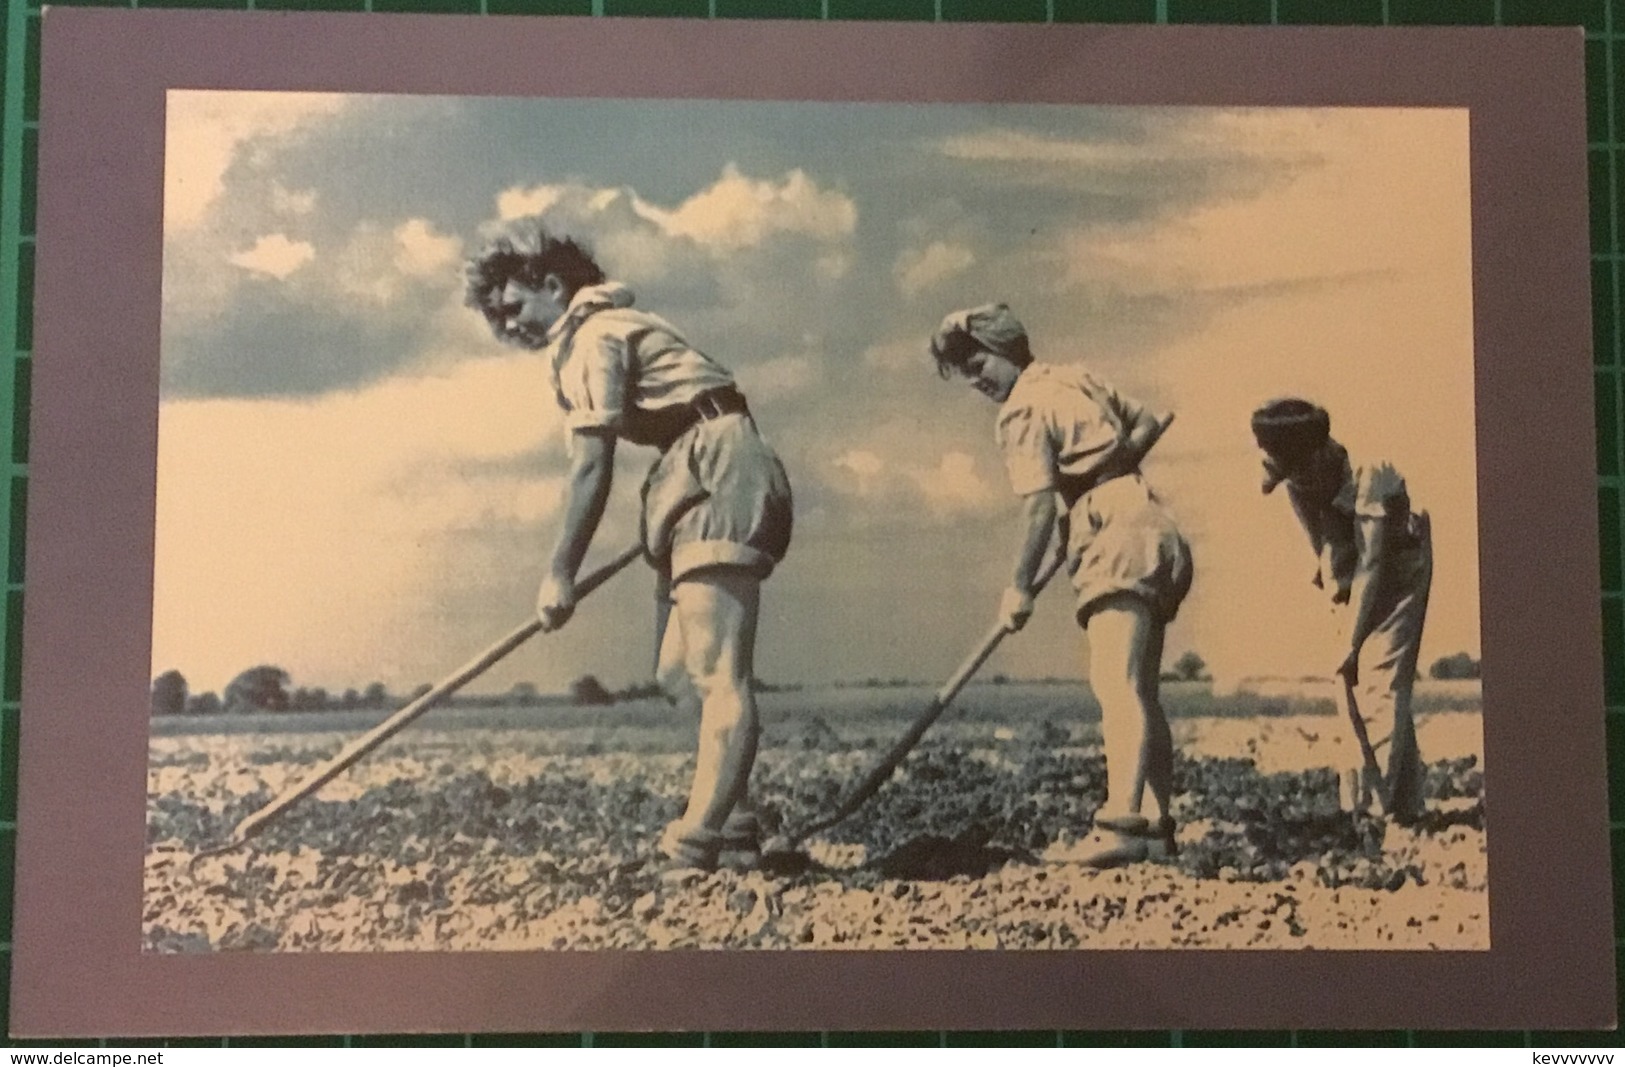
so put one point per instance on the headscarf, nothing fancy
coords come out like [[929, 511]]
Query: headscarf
[[1290, 427], [989, 326]]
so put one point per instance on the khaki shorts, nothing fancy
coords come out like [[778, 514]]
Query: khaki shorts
[[1123, 540], [717, 497]]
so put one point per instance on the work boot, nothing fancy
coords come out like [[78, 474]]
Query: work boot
[[741, 842], [689, 847], [1405, 805], [1361, 790], [1119, 841], [1165, 846]]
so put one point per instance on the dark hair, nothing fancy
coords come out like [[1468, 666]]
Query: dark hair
[[527, 260], [952, 350], [991, 327], [1291, 427]]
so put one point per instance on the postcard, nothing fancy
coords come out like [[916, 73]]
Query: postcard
[[1045, 541]]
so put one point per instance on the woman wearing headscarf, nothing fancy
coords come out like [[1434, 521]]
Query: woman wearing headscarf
[[1375, 555], [1072, 446]]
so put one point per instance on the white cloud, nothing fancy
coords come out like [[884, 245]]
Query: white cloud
[[625, 233], [363, 267], [775, 378], [954, 485], [518, 202], [736, 214], [918, 269], [422, 252], [382, 265], [292, 202], [639, 250], [204, 130], [571, 201], [740, 212], [857, 471], [275, 255]]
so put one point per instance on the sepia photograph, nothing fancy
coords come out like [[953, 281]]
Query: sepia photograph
[[1023, 528], [779, 525]]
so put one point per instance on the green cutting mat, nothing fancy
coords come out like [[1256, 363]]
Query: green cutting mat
[[1605, 85]]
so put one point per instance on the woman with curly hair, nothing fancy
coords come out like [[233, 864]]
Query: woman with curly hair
[[716, 504]]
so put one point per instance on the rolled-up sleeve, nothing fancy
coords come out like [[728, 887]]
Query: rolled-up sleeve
[[593, 382], [1380, 492], [1028, 449], [1129, 411]]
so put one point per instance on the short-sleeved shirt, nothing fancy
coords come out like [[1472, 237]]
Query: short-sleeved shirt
[[614, 366], [1374, 491], [1369, 491], [1059, 426]]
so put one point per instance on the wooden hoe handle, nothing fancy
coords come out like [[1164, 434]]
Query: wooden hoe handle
[[370, 740]]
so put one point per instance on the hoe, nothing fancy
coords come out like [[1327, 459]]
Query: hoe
[[882, 771], [370, 740], [366, 743]]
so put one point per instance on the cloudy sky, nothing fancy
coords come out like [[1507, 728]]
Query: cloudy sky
[[356, 482]]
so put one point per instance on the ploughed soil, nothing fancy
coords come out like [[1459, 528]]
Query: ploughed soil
[[459, 838]]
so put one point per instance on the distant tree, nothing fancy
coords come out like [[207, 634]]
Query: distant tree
[[1460, 665], [589, 690], [375, 696], [1189, 667], [314, 699], [421, 691], [203, 704], [169, 694], [642, 691], [262, 688], [525, 694], [1000, 679], [350, 699]]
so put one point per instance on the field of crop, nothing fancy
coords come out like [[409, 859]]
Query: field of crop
[[533, 829]]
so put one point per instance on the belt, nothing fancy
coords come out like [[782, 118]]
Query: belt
[[715, 403], [1074, 488], [664, 425]]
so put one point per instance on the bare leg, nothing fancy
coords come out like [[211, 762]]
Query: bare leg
[[671, 673], [671, 666], [1125, 659], [1158, 754], [716, 611]]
